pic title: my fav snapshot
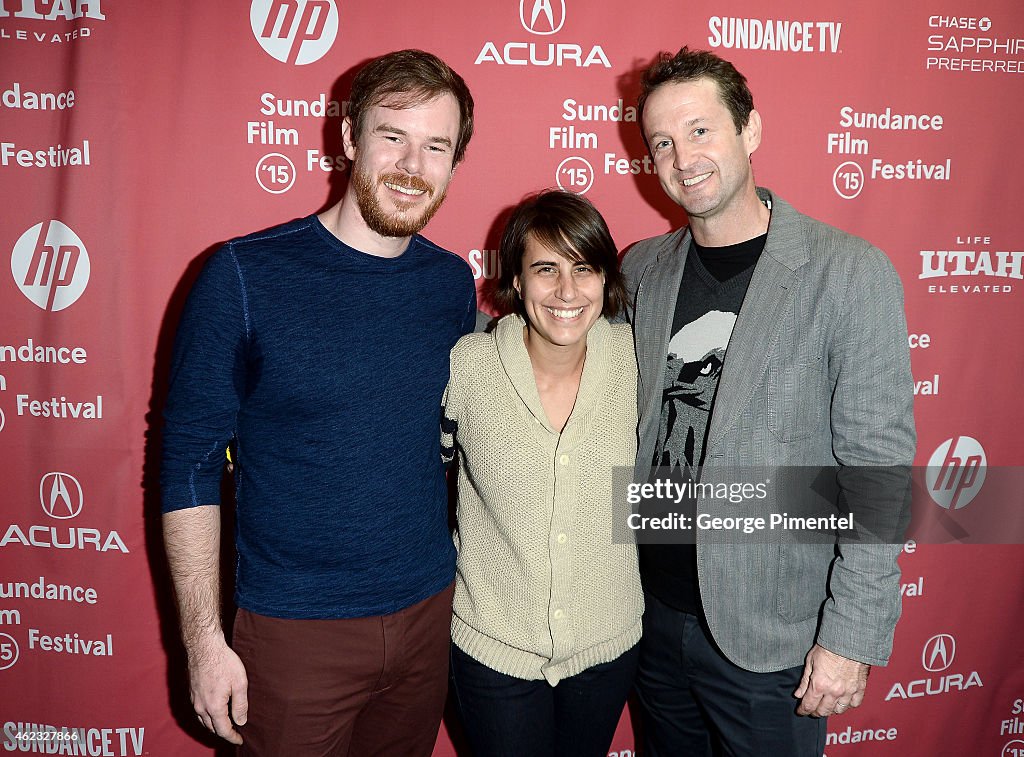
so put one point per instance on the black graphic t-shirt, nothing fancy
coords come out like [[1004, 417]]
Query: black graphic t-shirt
[[714, 282]]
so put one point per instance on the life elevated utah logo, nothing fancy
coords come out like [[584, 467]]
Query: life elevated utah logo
[[50, 265], [956, 472], [296, 32], [52, 10], [542, 18], [977, 266], [937, 656], [48, 10]]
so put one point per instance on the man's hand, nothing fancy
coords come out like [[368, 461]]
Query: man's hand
[[219, 690], [831, 684]]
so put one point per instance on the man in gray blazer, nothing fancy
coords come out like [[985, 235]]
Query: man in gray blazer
[[764, 338]]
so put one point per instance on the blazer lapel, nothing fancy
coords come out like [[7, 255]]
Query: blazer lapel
[[760, 318], [656, 295]]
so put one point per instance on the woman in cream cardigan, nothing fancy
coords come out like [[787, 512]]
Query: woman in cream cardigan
[[547, 610]]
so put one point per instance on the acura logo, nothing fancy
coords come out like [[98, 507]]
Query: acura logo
[[60, 494], [938, 652], [542, 16]]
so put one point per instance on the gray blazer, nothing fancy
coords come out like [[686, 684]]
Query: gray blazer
[[817, 372]]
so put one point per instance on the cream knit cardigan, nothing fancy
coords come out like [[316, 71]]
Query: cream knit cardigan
[[540, 589]]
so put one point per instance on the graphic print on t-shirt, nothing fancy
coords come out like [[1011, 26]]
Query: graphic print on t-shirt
[[695, 356]]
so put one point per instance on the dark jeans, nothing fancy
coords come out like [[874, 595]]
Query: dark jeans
[[696, 703], [503, 715]]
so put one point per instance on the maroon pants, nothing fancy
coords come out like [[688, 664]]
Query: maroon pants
[[360, 686]]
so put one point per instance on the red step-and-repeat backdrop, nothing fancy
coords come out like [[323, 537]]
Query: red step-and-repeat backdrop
[[136, 137]]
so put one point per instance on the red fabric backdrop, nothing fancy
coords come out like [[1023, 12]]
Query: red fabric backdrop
[[136, 137]]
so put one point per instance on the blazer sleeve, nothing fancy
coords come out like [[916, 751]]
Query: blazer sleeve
[[874, 442]]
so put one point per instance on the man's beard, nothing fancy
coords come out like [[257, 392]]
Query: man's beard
[[398, 223]]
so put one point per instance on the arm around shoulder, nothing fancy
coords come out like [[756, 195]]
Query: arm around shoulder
[[451, 402]]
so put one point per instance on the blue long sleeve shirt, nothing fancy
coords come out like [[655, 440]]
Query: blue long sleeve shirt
[[327, 366]]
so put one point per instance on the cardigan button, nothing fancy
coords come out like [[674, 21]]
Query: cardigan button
[[561, 538], [563, 460], [558, 614]]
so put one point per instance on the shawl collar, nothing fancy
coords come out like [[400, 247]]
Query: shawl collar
[[515, 361]]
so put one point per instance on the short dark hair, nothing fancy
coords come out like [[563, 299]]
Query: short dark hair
[[406, 78], [688, 65], [569, 225]]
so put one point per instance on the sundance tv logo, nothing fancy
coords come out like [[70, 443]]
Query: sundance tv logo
[[296, 32], [956, 472], [775, 35], [50, 265], [545, 18]]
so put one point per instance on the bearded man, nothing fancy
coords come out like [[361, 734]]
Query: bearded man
[[297, 345]]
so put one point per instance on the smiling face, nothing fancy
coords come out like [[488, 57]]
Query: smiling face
[[402, 163], [562, 298], [702, 163]]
